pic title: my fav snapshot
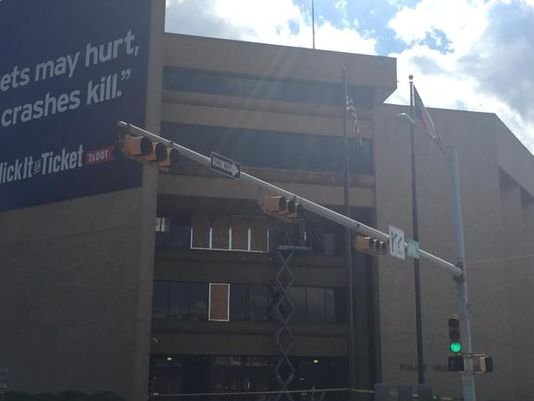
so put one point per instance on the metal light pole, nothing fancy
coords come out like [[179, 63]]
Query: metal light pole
[[348, 249], [415, 229], [451, 156], [468, 378]]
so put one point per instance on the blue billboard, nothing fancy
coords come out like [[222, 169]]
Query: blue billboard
[[69, 69]]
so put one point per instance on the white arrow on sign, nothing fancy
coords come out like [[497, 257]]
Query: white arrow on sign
[[396, 242], [225, 165]]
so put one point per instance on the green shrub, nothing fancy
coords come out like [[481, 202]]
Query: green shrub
[[71, 396], [104, 396], [63, 396], [15, 396], [43, 397]]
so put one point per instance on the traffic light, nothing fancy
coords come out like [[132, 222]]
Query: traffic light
[[455, 343], [143, 149], [371, 246], [486, 364], [455, 363], [278, 206]]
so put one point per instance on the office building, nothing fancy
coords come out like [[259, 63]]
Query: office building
[[172, 285]]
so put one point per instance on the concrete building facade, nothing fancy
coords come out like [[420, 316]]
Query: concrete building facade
[[95, 299]]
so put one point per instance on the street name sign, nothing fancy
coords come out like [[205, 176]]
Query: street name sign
[[224, 165]]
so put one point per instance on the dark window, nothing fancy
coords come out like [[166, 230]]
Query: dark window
[[267, 149], [178, 304], [258, 302], [298, 296], [180, 300], [160, 304], [318, 305], [249, 302], [175, 374], [198, 300], [241, 85], [180, 236], [238, 302], [163, 231], [319, 373], [329, 305], [315, 302], [340, 305], [174, 232], [189, 301]]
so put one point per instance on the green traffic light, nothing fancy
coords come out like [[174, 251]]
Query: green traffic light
[[455, 347]]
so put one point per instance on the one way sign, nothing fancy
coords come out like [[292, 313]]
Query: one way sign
[[225, 165]]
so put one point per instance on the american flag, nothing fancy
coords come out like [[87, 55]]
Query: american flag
[[351, 113], [422, 114]]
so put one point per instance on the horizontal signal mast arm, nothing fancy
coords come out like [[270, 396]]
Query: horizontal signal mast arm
[[307, 204]]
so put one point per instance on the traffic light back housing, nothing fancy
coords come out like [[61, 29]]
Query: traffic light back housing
[[280, 207], [170, 162], [158, 153], [455, 363], [486, 364], [275, 204], [143, 149], [135, 146], [371, 246]]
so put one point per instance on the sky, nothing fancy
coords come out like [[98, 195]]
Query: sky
[[475, 55]]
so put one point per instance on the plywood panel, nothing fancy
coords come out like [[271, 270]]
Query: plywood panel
[[240, 227], [219, 294], [201, 230], [259, 238], [220, 233]]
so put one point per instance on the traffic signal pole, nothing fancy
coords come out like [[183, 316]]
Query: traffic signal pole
[[415, 233], [456, 269], [468, 377], [307, 204], [451, 156]]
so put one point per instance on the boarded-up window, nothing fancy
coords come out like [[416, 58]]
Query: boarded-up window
[[240, 226], [201, 231], [236, 233], [219, 307], [259, 240], [220, 236]]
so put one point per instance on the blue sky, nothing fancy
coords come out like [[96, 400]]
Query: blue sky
[[464, 54]]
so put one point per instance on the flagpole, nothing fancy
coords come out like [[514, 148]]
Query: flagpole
[[348, 250], [313, 22], [415, 235], [451, 156]]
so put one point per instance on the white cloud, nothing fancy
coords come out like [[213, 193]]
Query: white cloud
[[329, 37], [261, 21], [462, 21], [267, 21], [487, 67]]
